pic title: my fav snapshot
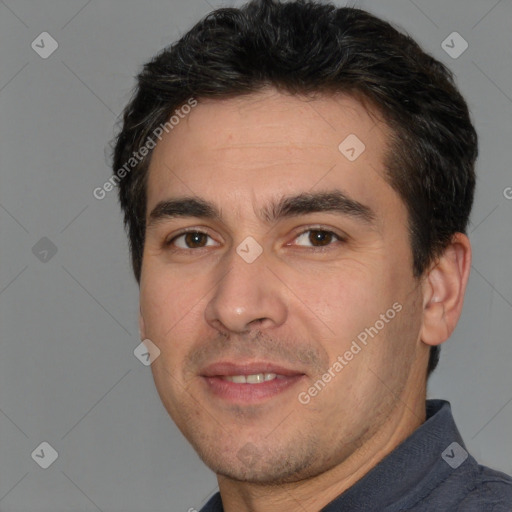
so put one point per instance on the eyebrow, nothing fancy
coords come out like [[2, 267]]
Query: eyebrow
[[288, 206]]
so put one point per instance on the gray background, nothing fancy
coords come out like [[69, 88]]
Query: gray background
[[68, 375]]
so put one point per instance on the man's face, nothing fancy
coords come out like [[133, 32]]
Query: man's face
[[216, 307]]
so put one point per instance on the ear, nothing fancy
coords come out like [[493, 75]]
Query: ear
[[444, 287], [142, 329]]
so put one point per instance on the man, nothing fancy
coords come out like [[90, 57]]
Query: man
[[296, 181]]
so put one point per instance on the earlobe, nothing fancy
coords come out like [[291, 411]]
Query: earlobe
[[443, 291]]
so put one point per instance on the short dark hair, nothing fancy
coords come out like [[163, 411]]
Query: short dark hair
[[307, 48]]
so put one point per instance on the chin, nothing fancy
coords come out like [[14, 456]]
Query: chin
[[251, 464]]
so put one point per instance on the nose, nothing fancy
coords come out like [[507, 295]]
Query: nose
[[248, 296]]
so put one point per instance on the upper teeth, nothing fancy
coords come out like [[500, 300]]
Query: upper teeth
[[250, 379]]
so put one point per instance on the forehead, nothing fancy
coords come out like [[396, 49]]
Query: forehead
[[240, 149]]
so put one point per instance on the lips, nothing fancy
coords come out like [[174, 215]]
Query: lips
[[227, 368], [250, 382]]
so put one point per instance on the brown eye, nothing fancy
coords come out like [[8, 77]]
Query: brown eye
[[190, 240], [318, 237]]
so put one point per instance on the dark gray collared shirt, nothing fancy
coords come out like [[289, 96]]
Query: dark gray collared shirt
[[430, 471]]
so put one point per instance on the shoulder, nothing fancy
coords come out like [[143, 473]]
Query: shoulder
[[489, 490], [471, 487]]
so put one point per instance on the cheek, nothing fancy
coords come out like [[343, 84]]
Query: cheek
[[347, 299], [168, 303], [361, 304], [170, 306]]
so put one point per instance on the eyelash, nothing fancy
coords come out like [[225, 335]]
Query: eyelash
[[169, 243]]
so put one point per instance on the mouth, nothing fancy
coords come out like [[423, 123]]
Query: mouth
[[249, 382]]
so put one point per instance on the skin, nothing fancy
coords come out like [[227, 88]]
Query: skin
[[299, 304]]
